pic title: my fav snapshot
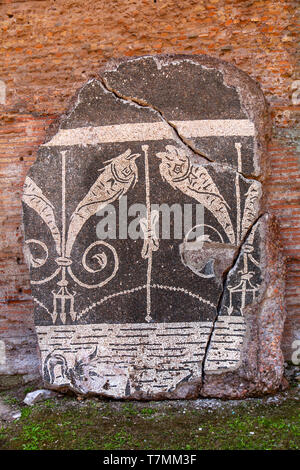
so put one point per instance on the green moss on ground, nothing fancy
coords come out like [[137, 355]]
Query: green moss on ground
[[66, 423]]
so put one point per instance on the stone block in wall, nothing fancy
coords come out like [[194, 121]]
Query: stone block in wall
[[154, 263]]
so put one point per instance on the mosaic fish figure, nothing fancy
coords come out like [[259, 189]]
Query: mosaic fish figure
[[114, 181]]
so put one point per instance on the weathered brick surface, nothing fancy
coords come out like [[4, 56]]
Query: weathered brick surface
[[49, 48]]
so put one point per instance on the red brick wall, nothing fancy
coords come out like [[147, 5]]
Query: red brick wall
[[49, 48]]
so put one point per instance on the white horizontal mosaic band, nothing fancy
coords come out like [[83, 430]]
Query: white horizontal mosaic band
[[161, 354], [157, 355], [144, 131], [226, 344]]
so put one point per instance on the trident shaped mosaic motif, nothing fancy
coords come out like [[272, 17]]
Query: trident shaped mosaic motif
[[245, 286], [114, 181]]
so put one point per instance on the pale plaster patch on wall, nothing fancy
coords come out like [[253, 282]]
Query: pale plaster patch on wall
[[296, 352], [296, 92], [2, 353], [2, 92]]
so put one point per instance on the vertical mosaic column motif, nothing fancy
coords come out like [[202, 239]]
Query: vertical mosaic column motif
[[147, 146]]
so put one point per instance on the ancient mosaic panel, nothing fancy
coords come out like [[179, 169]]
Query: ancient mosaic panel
[[148, 316]]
